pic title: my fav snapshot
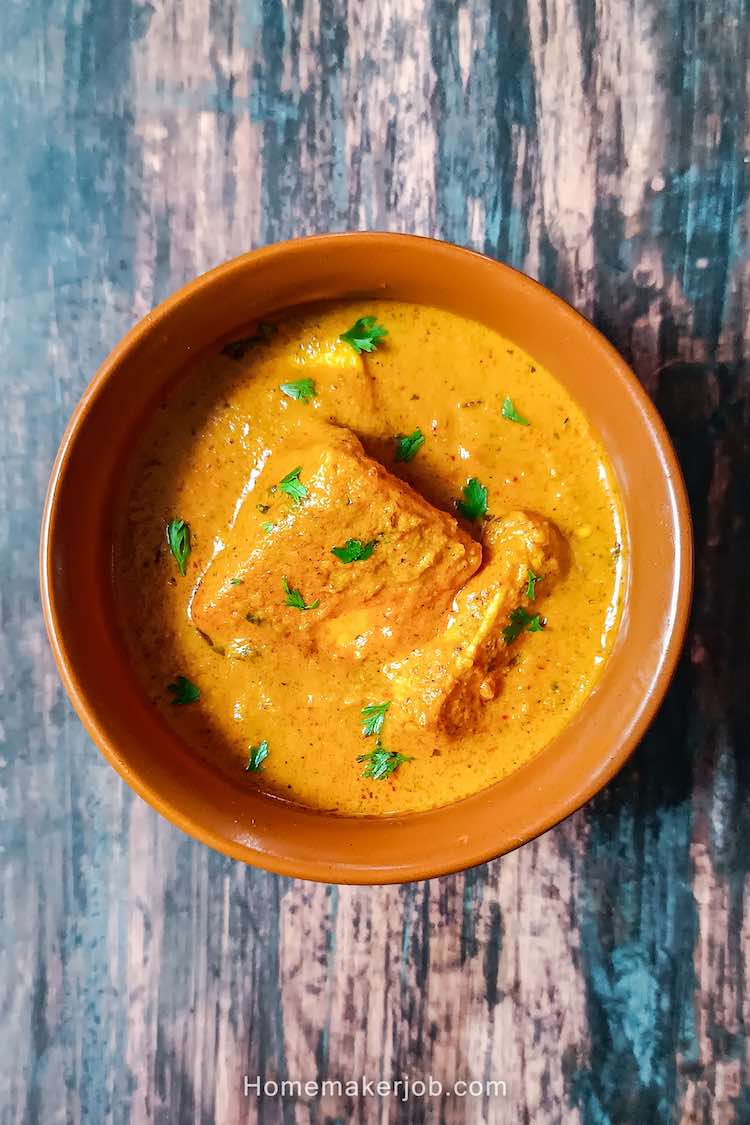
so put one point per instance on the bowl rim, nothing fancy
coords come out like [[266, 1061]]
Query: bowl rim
[[376, 874]]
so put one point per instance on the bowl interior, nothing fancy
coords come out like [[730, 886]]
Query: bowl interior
[[76, 563]]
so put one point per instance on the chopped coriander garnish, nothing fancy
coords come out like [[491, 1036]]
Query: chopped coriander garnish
[[256, 756], [178, 538], [509, 411], [381, 763], [293, 486], [354, 550], [408, 445], [184, 691], [365, 334], [235, 581], [267, 527], [531, 584], [373, 717], [520, 620], [474, 504], [294, 597], [302, 389]]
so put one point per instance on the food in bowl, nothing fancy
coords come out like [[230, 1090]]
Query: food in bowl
[[368, 556]]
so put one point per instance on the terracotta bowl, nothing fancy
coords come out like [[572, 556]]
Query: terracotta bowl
[[76, 563]]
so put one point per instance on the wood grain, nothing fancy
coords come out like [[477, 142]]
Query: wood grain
[[602, 972]]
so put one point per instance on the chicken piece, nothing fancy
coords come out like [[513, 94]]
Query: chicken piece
[[443, 683], [339, 374], [415, 557]]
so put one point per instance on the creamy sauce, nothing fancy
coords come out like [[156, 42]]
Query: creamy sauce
[[201, 455]]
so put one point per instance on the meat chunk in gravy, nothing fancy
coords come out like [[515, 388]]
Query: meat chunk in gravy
[[444, 682], [387, 602]]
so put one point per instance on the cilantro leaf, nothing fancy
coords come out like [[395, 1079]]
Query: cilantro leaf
[[381, 763], [408, 445], [518, 621], [235, 581], [256, 756], [178, 538], [354, 550], [293, 486], [364, 335], [509, 411], [294, 597], [267, 527], [302, 389], [531, 584], [373, 717], [184, 691], [474, 504]]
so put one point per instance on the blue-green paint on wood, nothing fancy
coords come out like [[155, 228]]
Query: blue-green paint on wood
[[76, 206]]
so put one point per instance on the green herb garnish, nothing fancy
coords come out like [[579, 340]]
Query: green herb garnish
[[408, 445], [474, 504], [354, 550], [509, 411], [256, 756], [293, 486], [178, 538], [531, 584], [294, 597], [520, 620], [302, 389], [184, 691], [373, 717], [365, 334], [267, 527], [381, 763], [235, 581]]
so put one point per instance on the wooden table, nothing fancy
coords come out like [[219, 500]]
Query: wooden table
[[601, 972]]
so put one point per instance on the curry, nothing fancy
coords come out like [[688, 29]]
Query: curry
[[369, 558]]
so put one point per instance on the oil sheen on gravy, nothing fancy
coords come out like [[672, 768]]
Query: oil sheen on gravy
[[198, 456]]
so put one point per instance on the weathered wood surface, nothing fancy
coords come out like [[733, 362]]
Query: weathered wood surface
[[602, 972]]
